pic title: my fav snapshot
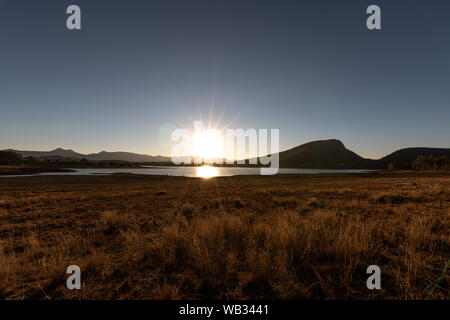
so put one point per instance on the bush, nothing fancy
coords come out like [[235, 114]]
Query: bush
[[431, 163], [32, 160], [10, 157]]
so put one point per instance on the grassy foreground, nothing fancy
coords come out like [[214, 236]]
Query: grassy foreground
[[282, 237]]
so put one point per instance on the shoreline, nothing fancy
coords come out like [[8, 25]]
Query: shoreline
[[25, 170], [30, 171]]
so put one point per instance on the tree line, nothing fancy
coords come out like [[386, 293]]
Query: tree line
[[13, 158], [428, 162]]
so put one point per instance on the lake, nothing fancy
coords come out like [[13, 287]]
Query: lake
[[203, 172]]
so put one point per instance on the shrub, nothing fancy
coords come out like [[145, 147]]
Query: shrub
[[429, 162], [10, 157]]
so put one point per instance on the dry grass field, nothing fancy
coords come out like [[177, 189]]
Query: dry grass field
[[278, 237]]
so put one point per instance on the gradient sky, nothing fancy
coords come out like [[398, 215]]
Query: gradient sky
[[139, 69]]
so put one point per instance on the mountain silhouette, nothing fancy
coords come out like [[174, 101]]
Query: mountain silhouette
[[403, 157], [101, 156], [322, 154], [125, 156], [61, 153]]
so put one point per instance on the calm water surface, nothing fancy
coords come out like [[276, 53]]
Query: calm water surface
[[204, 172]]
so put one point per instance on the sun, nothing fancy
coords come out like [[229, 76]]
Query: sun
[[208, 144]]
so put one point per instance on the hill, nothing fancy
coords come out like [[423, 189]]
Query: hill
[[404, 157], [324, 154], [57, 153]]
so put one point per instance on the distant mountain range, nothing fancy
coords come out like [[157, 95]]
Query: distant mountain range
[[101, 156], [323, 154]]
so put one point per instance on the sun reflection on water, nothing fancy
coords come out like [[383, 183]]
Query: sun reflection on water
[[207, 172]]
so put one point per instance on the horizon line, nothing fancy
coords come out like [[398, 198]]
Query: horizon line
[[161, 155]]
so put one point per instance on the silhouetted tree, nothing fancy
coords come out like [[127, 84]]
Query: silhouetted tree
[[10, 157], [429, 162], [32, 160], [85, 162]]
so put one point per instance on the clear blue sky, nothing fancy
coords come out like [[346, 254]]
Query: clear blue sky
[[138, 69]]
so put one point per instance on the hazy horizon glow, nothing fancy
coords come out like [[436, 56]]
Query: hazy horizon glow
[[138, 70]]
